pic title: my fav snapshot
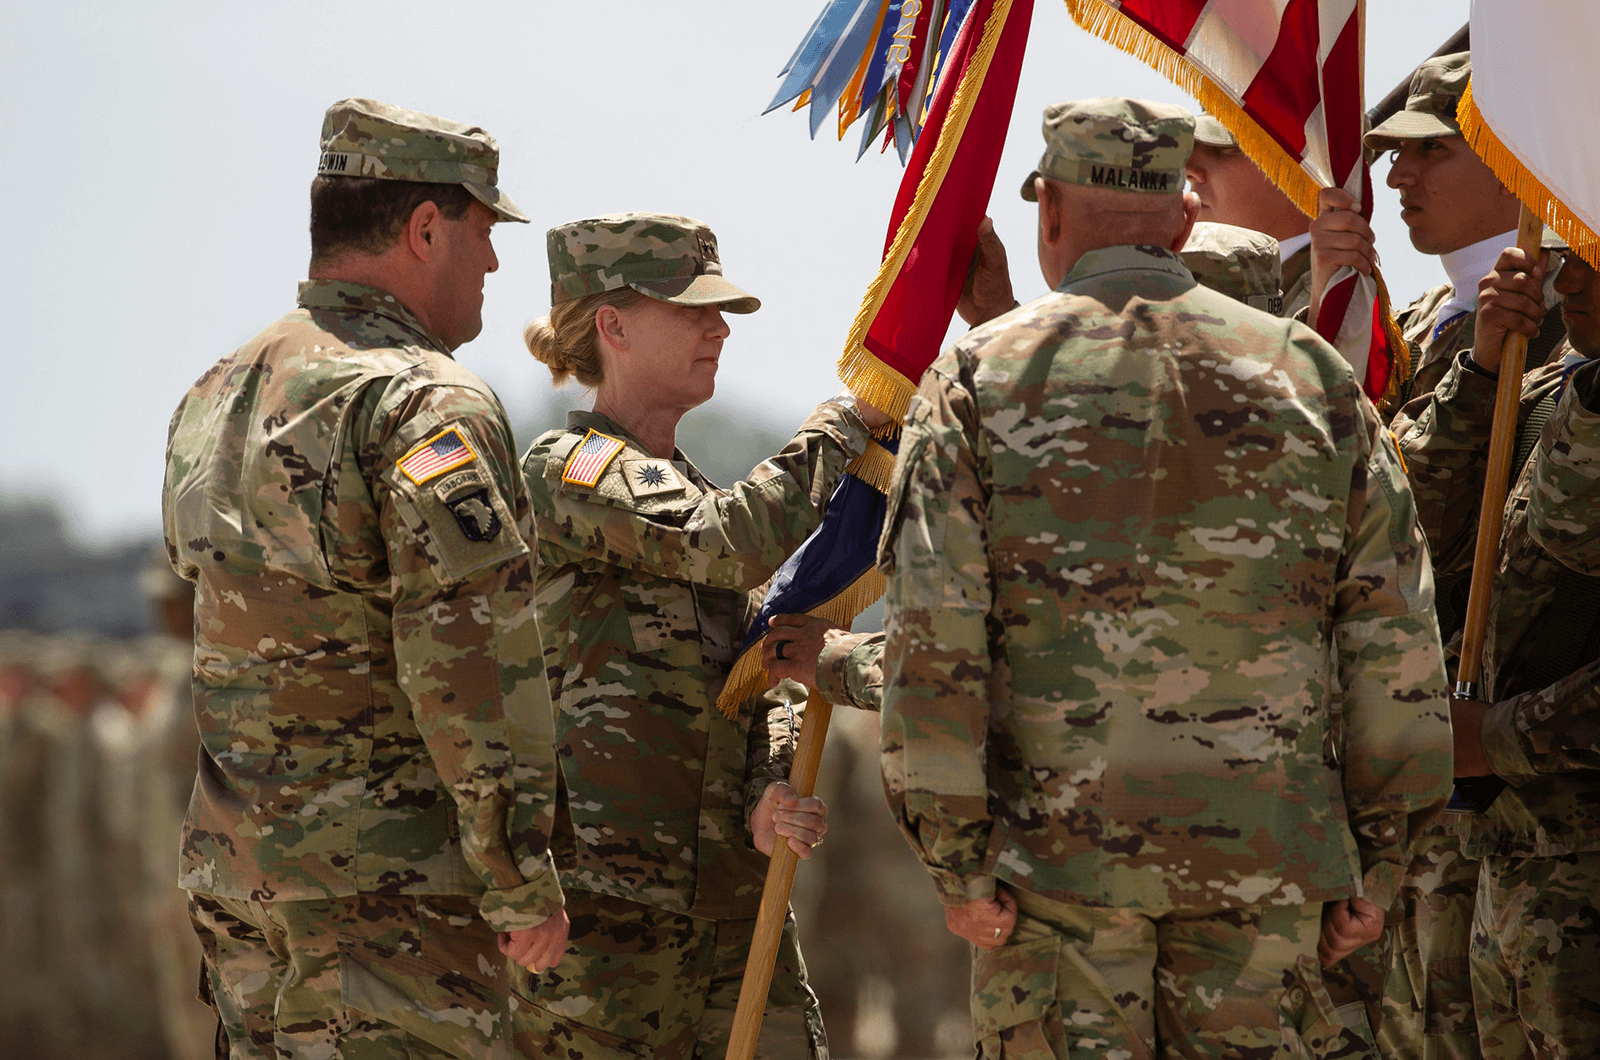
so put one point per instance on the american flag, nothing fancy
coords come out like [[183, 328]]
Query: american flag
[[443, 452], [589, 461]]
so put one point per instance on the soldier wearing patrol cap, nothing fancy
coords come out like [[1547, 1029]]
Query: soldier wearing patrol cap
[[1528, 928], [1238, 262], [649, 575], [1233, 190], [1454, 206], [1140, 539], [377, 777]]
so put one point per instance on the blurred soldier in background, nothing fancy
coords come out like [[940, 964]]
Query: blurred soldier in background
[[169, 748]]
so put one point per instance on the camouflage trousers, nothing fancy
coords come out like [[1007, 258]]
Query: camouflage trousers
[[1427, 1002], [1536, 956], [637, 981], [374, 977], [1123, 983]]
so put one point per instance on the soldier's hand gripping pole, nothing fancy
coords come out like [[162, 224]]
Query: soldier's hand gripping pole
[[1465, 712], [775, 894]]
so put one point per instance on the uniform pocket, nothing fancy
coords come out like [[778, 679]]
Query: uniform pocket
[[660, 615], [424, 999], [538, 1032], [1312, 1027], [1014, 1010]]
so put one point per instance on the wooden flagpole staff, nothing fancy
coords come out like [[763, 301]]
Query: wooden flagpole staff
[[775, 893], [1496, 483]]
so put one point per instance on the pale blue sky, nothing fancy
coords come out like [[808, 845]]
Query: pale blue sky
[[160, 154]]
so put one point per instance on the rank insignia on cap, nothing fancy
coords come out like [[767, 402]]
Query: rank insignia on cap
[[646, 478], [591, 458], [445, 451]]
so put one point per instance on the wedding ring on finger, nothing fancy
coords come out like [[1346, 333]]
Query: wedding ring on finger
[[778, 651]]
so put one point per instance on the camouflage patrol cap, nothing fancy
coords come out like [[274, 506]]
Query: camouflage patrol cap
[[1430, 110], [1211, 132], [1115, 142], [1238, 262], [662, 255], [365, 138]]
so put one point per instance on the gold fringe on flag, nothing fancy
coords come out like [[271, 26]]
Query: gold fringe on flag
[[1523, 184], [868, 377], [749, 674], [874, 466]]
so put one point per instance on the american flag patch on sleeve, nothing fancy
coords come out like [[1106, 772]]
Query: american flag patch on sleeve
[[590, 460], [445, 451]]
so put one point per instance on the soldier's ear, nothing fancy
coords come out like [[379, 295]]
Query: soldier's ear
[[423, 224], [1049, 210], [611, 328], [1191, 214]]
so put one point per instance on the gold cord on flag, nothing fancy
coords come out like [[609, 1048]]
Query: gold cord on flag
[[868, 377], [1522, 183]]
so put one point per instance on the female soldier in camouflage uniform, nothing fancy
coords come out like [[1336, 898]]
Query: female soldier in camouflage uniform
[[648, 576]]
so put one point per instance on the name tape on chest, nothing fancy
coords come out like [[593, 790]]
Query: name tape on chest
[[647, 478], [591, 458], [445, 451]]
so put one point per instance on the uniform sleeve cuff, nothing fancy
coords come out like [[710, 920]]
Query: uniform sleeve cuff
[[1503, 746], [839, 420], [526, 906], [1380, 884], [956, 891], [834, 668]]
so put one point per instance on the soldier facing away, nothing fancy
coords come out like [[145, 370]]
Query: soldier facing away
[[378, 773], [1141, 538]]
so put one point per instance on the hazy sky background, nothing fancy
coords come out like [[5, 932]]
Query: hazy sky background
[[160, 156]]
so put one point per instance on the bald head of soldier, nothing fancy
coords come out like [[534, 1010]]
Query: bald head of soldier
[[1449, 197], [404, 201], [1111, 175]]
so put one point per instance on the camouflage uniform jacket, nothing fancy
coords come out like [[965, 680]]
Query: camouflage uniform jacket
[[647, 583], [345, 497], [1539, 738], [1431, 355], [1446, 452], [1140, 539], [1297, 283]]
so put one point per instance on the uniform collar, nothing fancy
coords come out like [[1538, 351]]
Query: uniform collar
[[1120, 259], [345, 296], [1288, 248]]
